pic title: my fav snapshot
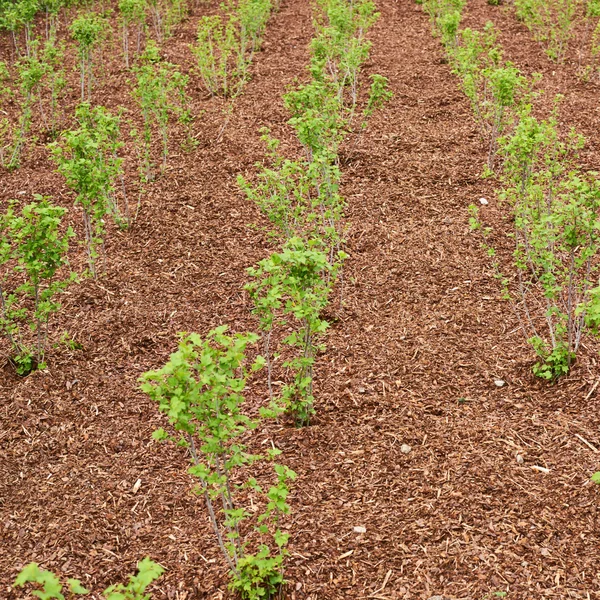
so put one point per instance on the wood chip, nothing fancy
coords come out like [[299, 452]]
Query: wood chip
[[540, 469]]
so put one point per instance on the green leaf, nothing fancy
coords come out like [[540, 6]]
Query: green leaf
[[29, 573], [160, 435], [75, 587]]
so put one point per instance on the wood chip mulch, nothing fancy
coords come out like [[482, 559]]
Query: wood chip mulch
[[411, 360]]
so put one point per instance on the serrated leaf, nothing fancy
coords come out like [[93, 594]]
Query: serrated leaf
[[76, 588]]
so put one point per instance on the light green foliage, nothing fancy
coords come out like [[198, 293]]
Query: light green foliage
[[31, 71], [551, 22], [497, 89], [340, 47], [40, 80], [292, 288], [323, 109], [445, 17], [34, 250], [53, 56], [19, 16], [88, 30], [87, 157], [135, 588], [52, 9], [166, 14], [253, 16], [52, 589], [318, 118], [378, 96], [176, 12], [226, 44], [556, 210], [555, 205], [5, 126], [161, 94], [50, 583], [302, 199], [133, 12], [201, 390], [216, 51], [590, 41]]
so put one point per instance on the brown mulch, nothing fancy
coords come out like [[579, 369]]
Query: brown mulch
[[411, 359]]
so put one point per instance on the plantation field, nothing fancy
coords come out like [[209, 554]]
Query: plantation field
[[436, 465]]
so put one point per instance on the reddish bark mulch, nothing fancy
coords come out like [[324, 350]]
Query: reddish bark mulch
[[411, 359]]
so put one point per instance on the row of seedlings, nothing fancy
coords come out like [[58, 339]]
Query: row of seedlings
[[36, 79], [87, 154], [554, 203], [33, 240], [202, 387], [301, 198]]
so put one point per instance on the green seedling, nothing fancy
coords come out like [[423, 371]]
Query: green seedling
[[201, 390], [35, 251], [53, 589], [87, 157]]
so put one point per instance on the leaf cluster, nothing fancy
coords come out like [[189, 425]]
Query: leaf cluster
[[33, 251], [87, 158], [53, 589]]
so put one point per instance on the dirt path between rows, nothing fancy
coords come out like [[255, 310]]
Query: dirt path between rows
[[411, 360]]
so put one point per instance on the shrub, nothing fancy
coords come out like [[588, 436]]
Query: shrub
[[133, 12], [87, 157], [88, 30], [160, 92], [200, 389], [556, 209], [34, 250]]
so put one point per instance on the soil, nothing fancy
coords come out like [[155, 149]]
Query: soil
[[411, 359]]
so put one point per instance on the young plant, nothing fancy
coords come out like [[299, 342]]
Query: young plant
[[300, 198], [445, 16], [51, 8], [226, 44], [19, 16], [87, 157], [295, 284], [52, 588], [31, 71], [5, 126], [133, 12], [165, 15], [551, 22], [318, 118], [176, 12], [590, 40], [253, 16], [88, 30], [201, 390], [36, 250], [216, 51], [160, 92], [340, 48], [556, 214], [497, 89], [53, 56], [379, 94]]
